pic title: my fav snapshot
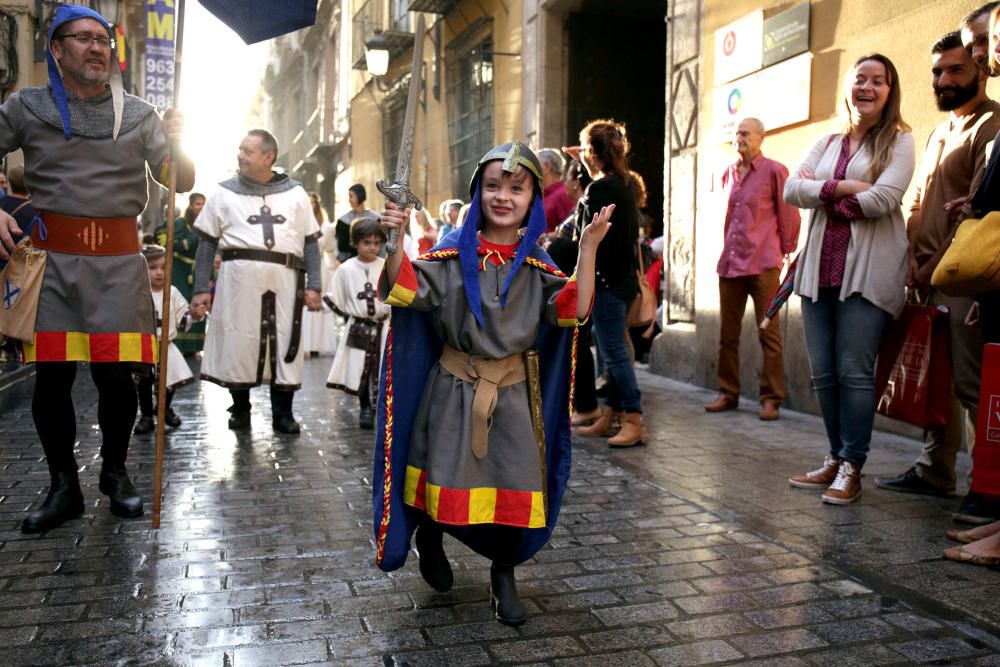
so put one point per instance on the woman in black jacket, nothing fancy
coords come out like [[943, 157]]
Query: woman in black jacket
[[604, 152]]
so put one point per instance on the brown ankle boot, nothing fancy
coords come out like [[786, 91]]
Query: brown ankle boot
[[608, 424], [632, 431]]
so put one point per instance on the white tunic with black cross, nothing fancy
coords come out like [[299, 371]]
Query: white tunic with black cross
[[250, 326]]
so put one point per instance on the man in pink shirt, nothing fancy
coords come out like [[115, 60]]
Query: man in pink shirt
[[555, 199], [761, 230]]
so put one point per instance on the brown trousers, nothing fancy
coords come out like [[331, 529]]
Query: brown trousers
[[733, 293]]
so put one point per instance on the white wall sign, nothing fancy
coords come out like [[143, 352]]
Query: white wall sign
[[777, 95], [738, 47]]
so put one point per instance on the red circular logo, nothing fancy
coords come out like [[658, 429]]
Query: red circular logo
[[729, 43]]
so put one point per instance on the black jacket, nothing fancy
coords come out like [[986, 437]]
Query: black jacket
[[616, 256]]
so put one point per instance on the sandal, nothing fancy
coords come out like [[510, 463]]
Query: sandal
[[960, 555], [973, 534]]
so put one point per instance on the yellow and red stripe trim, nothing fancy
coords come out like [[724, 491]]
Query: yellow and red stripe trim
[[405, 288], [466, 507], [95, 347], [383, 528]]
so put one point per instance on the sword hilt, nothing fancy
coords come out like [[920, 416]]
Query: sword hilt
[[400, 195]]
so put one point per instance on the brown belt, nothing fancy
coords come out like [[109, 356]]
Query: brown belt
[[487, 375], [74, 235]]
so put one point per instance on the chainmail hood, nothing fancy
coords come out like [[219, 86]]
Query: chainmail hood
[[92, 117], [244, 186]]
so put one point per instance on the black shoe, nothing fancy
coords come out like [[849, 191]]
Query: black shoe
[[504, 602], [146, 424], [977, 510], [434, 565], [171, 419], [63, 502], [366, 419], [285, 423], [239, 419], [911, 482], [601, 391], [115, 484]]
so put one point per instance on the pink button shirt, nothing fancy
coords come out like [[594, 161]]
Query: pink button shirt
[[760, 227]]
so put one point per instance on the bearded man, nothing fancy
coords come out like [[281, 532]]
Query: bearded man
[[953, 162], [86, 148]]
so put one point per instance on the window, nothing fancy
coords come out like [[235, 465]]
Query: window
[[470, 102], [399, 16]]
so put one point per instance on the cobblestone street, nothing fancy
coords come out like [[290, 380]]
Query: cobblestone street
[[690, 550]]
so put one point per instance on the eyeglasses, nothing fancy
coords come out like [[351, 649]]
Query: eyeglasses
[[84, 39]]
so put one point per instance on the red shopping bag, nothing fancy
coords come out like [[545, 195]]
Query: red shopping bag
[[913, 376], [986, 455]]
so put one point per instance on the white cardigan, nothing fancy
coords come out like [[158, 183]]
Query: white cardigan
[[876, 257]]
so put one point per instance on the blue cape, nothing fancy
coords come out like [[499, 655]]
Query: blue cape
[[412, 349]]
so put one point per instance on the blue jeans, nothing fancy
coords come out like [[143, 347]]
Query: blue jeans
[[842, 338], [608, 317]]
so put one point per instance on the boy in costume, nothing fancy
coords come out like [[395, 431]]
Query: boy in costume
[[355, 365], [178, 372], [485, 324]]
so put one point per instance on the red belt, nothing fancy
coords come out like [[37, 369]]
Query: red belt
[[74, 235]]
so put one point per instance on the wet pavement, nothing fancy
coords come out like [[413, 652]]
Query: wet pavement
[[690, 550]]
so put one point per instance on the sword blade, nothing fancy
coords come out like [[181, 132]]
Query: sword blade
[[405, 159]]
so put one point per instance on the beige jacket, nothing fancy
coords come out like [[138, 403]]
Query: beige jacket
[[876, 257]]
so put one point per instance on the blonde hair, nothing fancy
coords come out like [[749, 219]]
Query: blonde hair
[[993, 64], [881, 139]]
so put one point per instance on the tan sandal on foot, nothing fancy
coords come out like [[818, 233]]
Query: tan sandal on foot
[[973, 534], [960, 555]]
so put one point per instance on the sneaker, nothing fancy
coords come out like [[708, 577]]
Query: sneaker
[[911, 482], [820, 478], [146, 424], [977, 510], [846, 488]]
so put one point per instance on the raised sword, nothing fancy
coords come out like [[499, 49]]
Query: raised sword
[[398, 192]]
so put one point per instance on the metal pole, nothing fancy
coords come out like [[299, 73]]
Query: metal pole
[[161, 405]]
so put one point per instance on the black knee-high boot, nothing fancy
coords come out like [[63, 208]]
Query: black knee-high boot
[[504, 601], [239, 412], [281, 411], [117, 402], [55, 421], [434, 566]]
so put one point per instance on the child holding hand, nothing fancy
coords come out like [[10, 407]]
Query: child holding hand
[[473, 421], [178, 372]]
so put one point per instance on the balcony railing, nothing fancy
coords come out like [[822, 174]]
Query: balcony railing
[[372, 16], [433, 6]]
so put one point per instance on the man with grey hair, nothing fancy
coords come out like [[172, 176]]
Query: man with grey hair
[[760, 230], [555, 199]]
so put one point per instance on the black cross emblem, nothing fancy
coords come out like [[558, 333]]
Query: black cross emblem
[[267, 222], [369, 296]]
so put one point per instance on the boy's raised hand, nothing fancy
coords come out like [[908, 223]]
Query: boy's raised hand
[[394, 218], [598, 228]]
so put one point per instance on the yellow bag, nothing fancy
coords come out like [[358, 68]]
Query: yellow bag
[[20, 287], [971, 265]]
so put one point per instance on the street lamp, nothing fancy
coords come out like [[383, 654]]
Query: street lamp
[[377, 54]]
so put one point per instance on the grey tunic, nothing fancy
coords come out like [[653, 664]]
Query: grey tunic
[[441, 442], [88, 174]]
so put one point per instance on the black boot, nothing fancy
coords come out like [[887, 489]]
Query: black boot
[[434, 566], [63, 502], [281, 412], [146, 424], [239, 411], [506, 606], [171, 419], [366, 419], [115, 484]]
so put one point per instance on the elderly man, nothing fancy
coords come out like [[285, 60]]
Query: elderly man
[[86, 148], [263, 225], [760, 229], [555, 199]]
